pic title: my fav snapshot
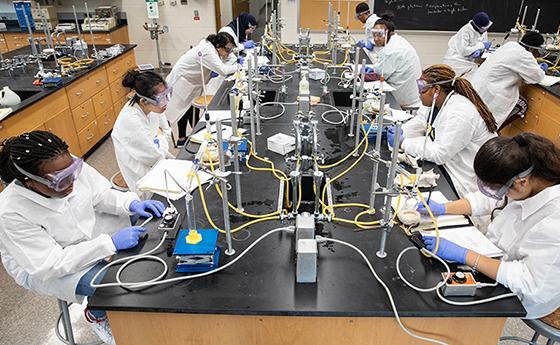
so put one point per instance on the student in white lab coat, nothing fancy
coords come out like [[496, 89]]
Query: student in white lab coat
[[141, 134], [191, 72], [497, 79], [397, 61], [467, 44], [240, 29], [522, 174], [460, 124], [368, 18], [61, 220]]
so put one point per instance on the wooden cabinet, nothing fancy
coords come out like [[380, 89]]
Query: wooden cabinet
[[117, 68], [106, 121], [102, 101], [16, 40], [83, 114], [542, 117], [62, 125], [3, 45], [87, 86], [118, 91], [89, 136], [118, 36]]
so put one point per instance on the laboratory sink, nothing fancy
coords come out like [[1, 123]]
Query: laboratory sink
[[25, 94], [342, 98]]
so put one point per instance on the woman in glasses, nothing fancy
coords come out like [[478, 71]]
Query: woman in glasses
[[368, 18], [497, 80], [452, 133], [60, 220], [240, 29], [397, 61], [192, 72], [141, 134], [467, 44], [519, 181]]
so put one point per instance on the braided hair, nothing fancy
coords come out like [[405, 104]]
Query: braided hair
[[29, 151], [441, 72]]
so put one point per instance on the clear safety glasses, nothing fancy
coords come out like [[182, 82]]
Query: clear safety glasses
[[424, 86], [378, 32], [357, 15], [484, 28], [499, 192], [58, 180], [161, 99]]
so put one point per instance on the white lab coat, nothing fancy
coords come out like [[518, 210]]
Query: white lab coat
[[229, 30], [368, 26], [140, 141], [460, 46], [401, 67], [497, 79], [528, 233], [48, 244], [187, 80], [459, 133]]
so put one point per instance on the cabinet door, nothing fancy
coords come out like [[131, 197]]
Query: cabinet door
[[88, 137], [102, 101], [105, 122], [83, 115], [63, 126]]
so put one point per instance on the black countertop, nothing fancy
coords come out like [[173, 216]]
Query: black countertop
[[554, 89], [23, 81], [264, 281]]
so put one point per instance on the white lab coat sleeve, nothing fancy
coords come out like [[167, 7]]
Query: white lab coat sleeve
[[416, 126], [536, 276], [164, 126], [528, 69], [466, 48], [42, 257], [105, 198], [452, 137], [213, 62], [231, 59], [139, 143], [481, 205]]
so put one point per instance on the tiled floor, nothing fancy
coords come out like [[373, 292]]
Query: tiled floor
[[28, 319]]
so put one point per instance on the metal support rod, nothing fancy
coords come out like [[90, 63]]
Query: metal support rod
[[360, 107], [317, 178], [46, 30], [387, 216], [379, 122], [273, 21], [80, 37], [189, 210], [354, 95], [223, 186], [258, 100], [237, 176], [536, 18], [295, 177], [524, 14], [251, 104], [30, 31], [315, 139], [67, 324], [91, 31]]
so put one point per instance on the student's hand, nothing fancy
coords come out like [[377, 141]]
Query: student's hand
[[249, 44], [368, 69], [447, 250], [391, 137], [436, 208], [487, 44], [475, 54], [543, 66], [127, 237], [361, 43], [213, 74], [240, 60], [369, 45], [141, 208]]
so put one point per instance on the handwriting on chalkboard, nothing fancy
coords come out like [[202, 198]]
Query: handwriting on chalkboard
[[434, 9]]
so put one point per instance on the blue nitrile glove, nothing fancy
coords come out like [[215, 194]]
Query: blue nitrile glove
[[391, 137], [141, 207], [487, 44], [369, 69], [213, 74], [361, 43], [447, 250], [127, 237], [240, 60], [156, 141], [475, 54], [543, 66], [249, 44], [369, 45], [436, 208]]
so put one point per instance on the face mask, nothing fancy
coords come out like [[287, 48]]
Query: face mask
[[58, 180], [500, 192]]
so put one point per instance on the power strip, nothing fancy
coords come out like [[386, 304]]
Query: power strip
[[169, 219], [459, 284]]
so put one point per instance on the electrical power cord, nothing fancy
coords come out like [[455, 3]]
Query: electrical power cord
[[157, 281]]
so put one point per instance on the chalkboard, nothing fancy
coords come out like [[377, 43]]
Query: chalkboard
[[451, 15]]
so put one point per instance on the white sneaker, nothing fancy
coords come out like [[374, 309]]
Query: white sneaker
[[101, 327]]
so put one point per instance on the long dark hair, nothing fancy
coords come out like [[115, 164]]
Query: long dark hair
[[220, 40], [29, 151], [144, 83], [386, 19], [441, 72]]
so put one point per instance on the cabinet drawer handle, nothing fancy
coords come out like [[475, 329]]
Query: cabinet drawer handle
[[84, 115], [98, 81], [89, 137], [106, 123], [79, 93], [101, 102]]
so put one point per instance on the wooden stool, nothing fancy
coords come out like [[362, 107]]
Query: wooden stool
[[199, 105]]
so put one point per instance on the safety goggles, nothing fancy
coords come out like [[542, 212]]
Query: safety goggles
[[483, 28], [378, 32], [58, 180], [500, 192], [424, 86], [540, 49], [161, 99]]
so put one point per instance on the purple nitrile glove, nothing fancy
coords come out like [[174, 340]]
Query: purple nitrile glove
[[436, 208], [391, 137], [487, 44], [475, 54], [213, 74], [127, 237], [369, 45], [543, 66], [240, 60], [361, 43], [249, 44], [447, 250], [141, 208]]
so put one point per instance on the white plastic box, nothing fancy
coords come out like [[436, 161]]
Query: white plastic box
[[281, 143]]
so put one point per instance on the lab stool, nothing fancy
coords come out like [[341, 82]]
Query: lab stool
[[540, 328], [67, 325], [118, 182], [411, 110], [518, 112], [199, 105]]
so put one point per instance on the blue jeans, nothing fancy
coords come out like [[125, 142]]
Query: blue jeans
[[84, 289]]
